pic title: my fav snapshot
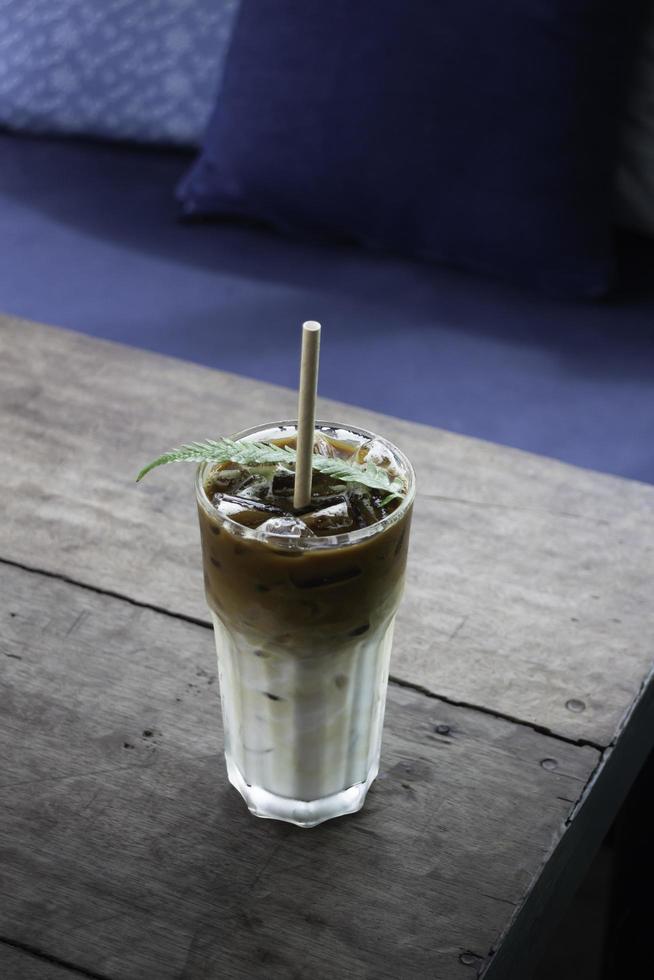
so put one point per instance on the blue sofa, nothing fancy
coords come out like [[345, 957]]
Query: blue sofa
[[91, 240]]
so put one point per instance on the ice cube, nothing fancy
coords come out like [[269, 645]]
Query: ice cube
[[226, 507], [283, 483], [336, 519], [374, 451], [341, 442], [248, 503], [256, 488], [222, 480], [287, 527], [320, 502], [322, 446], [250, 513], [237, 512], [363, 507]]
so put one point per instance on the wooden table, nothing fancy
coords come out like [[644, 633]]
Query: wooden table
[[519, 710]]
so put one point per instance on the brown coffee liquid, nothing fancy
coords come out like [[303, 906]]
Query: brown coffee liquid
[[302, 598]]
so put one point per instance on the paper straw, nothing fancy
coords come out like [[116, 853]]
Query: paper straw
[[306, 412]]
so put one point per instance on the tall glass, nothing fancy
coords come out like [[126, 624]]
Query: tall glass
[[303, 631]]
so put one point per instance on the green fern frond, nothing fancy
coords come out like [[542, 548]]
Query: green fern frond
[[262, 453]]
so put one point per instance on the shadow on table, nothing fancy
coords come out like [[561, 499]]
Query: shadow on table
[[605, 934]]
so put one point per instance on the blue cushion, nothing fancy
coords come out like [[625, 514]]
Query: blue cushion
[[473, 133], [90, 242], [144, 70]]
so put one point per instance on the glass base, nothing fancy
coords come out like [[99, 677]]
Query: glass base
[[302, 813]]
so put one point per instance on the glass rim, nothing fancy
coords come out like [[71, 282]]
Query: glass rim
[[317, 543]]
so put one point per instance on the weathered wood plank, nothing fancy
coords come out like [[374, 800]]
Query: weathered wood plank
[[528, 935], [17, 964], [530, 581], [124, 850]]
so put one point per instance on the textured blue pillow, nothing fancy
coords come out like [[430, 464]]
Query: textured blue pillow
[[145, 70], [473, 133]]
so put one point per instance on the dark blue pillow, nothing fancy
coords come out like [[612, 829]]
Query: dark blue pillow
[[473, 133]]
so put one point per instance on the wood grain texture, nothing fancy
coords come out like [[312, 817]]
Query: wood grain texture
[[17, 964], [124, 850], [530, 581]]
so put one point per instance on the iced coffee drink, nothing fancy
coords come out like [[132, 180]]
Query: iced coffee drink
[[303, 605]]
